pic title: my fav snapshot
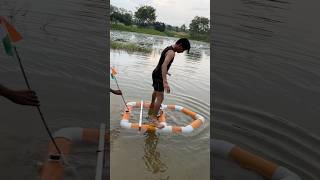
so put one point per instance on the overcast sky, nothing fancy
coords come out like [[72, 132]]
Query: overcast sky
[[173, 12]]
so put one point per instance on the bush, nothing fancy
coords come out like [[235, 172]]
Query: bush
[[159, 26]]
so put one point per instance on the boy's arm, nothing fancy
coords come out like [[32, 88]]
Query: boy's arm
[[169, 57]]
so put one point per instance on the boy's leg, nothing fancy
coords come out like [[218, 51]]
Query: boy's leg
[[157, 98], [157, 105], [151, 108]]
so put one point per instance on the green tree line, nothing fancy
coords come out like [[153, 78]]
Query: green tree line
[[145, 16]]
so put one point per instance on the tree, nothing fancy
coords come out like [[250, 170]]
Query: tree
[[115, 17], [113, 13], [169, 27], [159, 26], [199, 25], [120, 15], [145, 15], [113, 9], [126, 19], [183, 28]]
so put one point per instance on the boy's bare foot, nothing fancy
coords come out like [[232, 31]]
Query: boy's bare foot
[[159, 113], [156, 122]]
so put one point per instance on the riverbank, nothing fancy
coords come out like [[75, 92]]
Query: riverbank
[[129, 47]]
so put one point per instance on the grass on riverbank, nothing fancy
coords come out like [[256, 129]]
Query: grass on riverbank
[[129, 47], [122, 27]]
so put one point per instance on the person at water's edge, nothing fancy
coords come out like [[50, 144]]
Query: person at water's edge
[[22, 97], [159, 77]]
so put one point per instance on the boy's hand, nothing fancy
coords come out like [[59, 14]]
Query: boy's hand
[[166, 87], [116, 92], [23, 97]]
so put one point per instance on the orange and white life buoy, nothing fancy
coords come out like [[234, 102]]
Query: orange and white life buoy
[[251, 161], [197, 120], [53, 166]]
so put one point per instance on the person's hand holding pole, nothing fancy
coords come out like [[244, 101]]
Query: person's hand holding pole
[[116, 92], [23, 97]]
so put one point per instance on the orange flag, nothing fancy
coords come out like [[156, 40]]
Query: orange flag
[[14, 35], [114, 72]]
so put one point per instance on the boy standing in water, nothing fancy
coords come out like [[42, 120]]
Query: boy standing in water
[[159, 76]]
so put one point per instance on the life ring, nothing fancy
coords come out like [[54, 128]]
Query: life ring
[[197, 120], [53, 167], [251, 161]]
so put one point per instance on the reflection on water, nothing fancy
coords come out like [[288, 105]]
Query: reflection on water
[[152, 156], [193, 56]]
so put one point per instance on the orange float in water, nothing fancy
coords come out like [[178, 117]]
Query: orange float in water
[[251, 161], [197, 120], [53, 168]]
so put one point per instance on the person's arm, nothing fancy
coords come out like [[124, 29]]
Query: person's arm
[[23, 97], [169, 57]]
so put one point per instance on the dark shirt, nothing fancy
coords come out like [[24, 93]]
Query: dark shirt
[[157, 72]]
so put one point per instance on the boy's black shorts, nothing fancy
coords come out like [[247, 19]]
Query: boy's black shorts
[[157, 84]]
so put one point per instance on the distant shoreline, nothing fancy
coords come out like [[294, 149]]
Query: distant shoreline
[[122, 27]]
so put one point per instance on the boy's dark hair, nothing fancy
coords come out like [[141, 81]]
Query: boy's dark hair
[[184, 43]]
